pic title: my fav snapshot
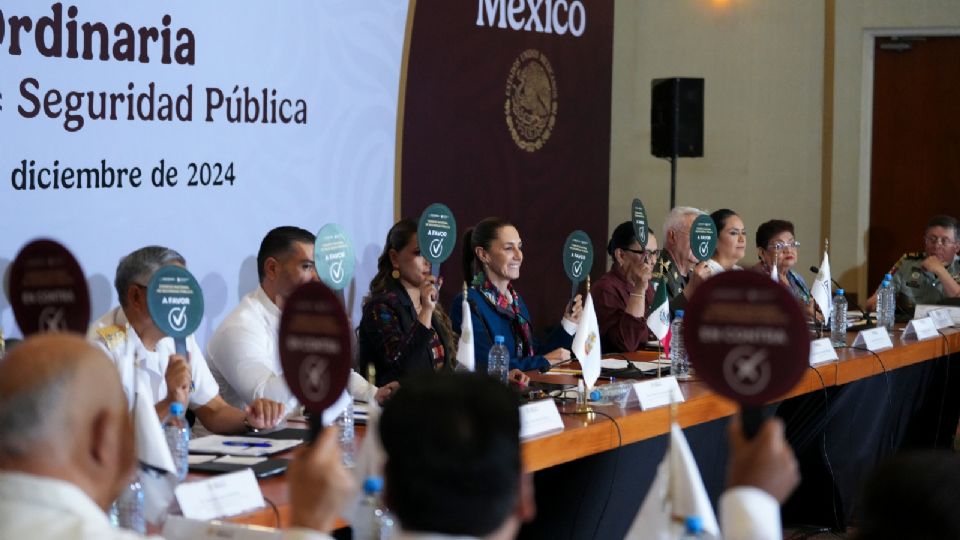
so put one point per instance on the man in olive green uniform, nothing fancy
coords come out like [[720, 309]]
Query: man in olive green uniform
[[679, 270], [930, 276]]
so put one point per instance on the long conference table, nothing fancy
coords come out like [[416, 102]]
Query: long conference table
[[842, 418]]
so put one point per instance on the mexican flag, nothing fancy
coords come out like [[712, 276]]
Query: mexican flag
[[658, 320]]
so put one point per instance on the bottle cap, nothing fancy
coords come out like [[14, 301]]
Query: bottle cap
[[839, 292], [372, 485], [176, 408], [887, 277], [679, 314], [693, 524], [498, 340]]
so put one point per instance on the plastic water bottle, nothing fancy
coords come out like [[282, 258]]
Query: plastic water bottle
[[127, 511], [177, 432], [348, 443], [679, 363], [373, 521], [838, 324], [498, 360], [886, 304], [615, 393], [692, 527]]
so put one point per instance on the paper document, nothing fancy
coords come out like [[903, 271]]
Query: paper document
[[240, 446]]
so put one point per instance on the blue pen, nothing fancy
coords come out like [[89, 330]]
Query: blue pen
[[247, 444]]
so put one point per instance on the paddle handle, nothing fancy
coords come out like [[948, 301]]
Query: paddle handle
[[316, 425], [752, 418], [180, 346]]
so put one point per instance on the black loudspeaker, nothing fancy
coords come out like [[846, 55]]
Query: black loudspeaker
[[676, 117]]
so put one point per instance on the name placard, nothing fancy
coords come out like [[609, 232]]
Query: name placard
[[942, 318], [939, 314], [655, 393], [225, 495], [921, 329], [539, 417], [874, 339], [821, 350]]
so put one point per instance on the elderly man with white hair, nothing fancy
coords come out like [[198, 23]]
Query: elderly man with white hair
[[681, 271]]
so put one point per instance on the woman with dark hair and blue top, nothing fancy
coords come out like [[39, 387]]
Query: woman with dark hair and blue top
[[492, 255], [777, 251]]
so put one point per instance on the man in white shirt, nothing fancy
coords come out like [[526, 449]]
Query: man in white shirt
[[139, 349], [453, 469], [761, 474], [67, 449], [243, 352]]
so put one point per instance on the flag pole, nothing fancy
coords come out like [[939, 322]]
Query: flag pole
[[582, 406]]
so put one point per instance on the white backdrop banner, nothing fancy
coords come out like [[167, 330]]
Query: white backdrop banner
[[199, 126]]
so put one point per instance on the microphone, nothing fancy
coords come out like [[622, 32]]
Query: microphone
[[548, 367], [816, 270]]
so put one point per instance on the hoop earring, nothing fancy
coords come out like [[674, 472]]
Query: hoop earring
[[395, 274]]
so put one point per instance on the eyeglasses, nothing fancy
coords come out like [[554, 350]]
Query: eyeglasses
[[784, 245], [939, 241], [649, 254]]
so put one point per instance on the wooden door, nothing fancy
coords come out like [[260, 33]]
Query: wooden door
[[915, 170]]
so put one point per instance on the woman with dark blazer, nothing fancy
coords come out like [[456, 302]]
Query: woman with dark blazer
[[492, 255], [403, 331]]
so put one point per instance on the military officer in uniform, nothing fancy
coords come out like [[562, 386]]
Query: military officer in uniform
[[930, 276], [146, 359], [679, 270]]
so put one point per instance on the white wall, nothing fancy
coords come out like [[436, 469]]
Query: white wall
[[763, 79], [342, 58], [763, 61]]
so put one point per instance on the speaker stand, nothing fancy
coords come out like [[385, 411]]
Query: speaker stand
[[673, 181]]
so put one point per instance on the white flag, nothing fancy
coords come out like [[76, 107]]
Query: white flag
[[586, 344], [821, 288], [158, 475], [677, 492], [658, 320], [152, 448], [465, 358]]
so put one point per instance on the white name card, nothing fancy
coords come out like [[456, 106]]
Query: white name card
[[539, 417], [874, 339], [654, 393], [921, 329], [220, 496], [180, 528], [821, 350], [941, 318], [941, 315]]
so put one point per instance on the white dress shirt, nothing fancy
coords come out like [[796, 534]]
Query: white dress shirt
[[114, 334], [245, 359], [50, 509], [748, 513], [38, 507]]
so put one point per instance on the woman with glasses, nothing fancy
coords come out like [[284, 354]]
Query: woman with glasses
[[731, 241], [930, 276], [622, 297], [777, 249]]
